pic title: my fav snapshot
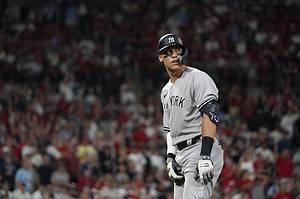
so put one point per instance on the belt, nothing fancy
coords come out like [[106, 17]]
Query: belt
[[189, 142]]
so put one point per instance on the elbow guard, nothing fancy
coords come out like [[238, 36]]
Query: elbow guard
[[212, 109]]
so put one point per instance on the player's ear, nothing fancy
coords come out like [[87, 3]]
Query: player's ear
[[160, 58]]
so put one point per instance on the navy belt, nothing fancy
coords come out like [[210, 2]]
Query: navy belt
[[189, 142]]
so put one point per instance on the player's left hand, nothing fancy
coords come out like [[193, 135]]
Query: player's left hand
[[204, 170]]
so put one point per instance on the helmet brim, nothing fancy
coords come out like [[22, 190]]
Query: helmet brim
[[172, 45]]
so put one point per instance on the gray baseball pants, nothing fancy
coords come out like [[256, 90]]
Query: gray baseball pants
[[188, 158]]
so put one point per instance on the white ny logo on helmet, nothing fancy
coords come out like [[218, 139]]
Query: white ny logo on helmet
[[171, 39]]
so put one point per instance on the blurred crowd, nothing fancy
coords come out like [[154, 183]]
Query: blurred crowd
[[80, 115]]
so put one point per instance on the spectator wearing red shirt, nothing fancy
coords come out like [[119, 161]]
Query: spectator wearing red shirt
[[228, 175], [259, 163], [139, 136], [283, 193], [85, 180], [284, 164], [245, 181]]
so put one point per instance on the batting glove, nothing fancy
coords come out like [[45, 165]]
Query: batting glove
[[204, 170], [175, 172]]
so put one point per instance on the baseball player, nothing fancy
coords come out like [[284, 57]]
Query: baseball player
[[190, 118]]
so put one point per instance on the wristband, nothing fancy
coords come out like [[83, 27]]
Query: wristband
[[207, 144]]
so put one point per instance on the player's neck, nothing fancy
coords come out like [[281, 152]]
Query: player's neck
[[174, 75]]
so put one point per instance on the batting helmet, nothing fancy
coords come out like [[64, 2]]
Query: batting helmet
[[169, 40]]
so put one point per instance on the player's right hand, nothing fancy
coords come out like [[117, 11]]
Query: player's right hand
[[175, 172]]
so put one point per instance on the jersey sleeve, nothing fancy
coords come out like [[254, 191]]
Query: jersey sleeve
[[166, 115], [204, 89]]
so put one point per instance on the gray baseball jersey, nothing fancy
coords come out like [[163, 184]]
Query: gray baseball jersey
[[182, 102]]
